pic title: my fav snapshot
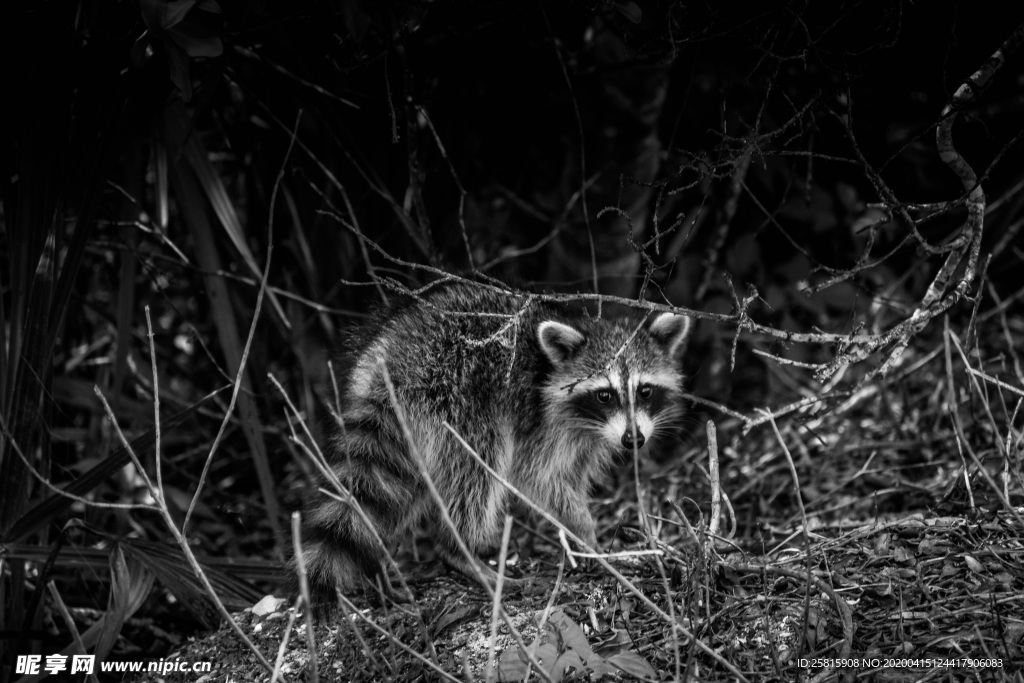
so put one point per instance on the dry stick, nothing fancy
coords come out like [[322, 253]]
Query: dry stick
[[937, 298], [863, 263], [716, 491], [178, 537], [422, 111], [845, 613], [857, 347], [525, 251], [868, 391], [283, 647], [583, 154], [157, 460], [982, 395], [968, 91], [781, 545], [972, 324], [372, 656], [391, 101], [300, 562], [996, 204], [418, 457], [1009, 445], [787, 361], [248, 340], [952, 402], [496, 603], [551, 598], [419, 229], [611, 361], [1008, 237], [738, 319], [716, 486], [963, 611], [979, 638], [31, 468], [276, 291], [884, 192], [725, 410], [559, 223], [724, 502], [375, 184], [348, 605], [646, 260], [652, 541], [789, 380], [743, 321], [977, 463], [993, 380], [317, 457], [1005, 327], [315, 87], [70, 623], [1001, 306], [390, 657], [598, 557], [157, 490], [711, 257], [803, 517], [766, 416], [362, 246], [686, 525], [346, 497], [974, 382], [370, 269], [378, 187]]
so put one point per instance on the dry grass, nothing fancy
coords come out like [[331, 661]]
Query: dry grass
[[857, 495], [885, 531]]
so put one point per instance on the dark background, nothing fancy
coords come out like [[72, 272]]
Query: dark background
[[150, 148]]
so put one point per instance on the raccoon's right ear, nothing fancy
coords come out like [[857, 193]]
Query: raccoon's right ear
[[559, 341], [670, 330]]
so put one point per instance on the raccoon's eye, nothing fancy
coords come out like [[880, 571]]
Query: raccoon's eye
[[646, 391], [604, 395]]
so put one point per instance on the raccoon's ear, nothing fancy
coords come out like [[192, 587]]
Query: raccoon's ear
[[670, 330], [559, 341]]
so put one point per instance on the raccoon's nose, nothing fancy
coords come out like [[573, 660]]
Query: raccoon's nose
[[627, 439]]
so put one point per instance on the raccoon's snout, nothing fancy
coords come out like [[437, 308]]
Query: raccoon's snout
[[628, 442]]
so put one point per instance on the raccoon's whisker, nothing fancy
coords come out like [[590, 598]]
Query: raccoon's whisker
[[582, 423], [676, 421]]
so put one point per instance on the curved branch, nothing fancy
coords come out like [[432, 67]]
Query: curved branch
[[968, 91]]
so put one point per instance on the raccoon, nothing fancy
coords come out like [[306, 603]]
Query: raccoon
[[543, 397]]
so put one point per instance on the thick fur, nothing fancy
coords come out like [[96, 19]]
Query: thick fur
[[544, 398]]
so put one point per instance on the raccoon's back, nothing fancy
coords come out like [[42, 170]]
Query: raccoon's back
[[459, 355]]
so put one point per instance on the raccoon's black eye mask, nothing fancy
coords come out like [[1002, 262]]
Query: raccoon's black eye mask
[[644, 392]]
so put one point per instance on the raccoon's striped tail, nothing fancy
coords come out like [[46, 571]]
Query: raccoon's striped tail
[[341, 554]]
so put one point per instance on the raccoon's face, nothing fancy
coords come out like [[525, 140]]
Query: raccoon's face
[[613, 380]]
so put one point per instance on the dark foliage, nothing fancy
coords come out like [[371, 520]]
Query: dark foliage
[[810, 179]]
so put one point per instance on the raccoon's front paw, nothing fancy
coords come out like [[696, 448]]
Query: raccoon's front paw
[[587, 562], [587, 533]]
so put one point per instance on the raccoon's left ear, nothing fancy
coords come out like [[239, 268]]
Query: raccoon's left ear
[[670, 331], [559, 341]]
